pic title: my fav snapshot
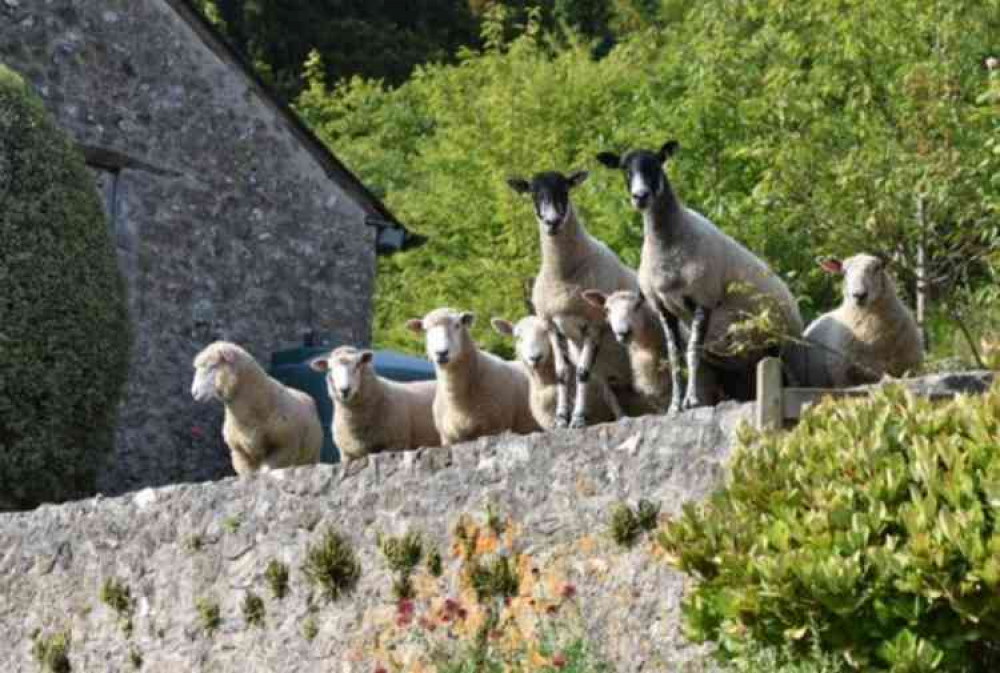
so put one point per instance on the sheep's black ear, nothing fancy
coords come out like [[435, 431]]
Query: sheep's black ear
[[578, 178], [595, 298], [366, 357], [468, 319], [501, 326], [519, 185], [320, 364], [610, 159], [640, 299], [883, 260], [668, 150], [831, 265], [415, 325]]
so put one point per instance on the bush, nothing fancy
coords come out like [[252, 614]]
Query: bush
[[64, 330], [332, 565], [868, 531]]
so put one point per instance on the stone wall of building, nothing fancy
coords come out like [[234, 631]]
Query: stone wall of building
[[227, 224]]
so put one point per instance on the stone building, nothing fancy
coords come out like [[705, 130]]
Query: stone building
[[231, 219]]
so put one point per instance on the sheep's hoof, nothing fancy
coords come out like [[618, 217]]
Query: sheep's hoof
[[692, 403], [560, 422], [675, 408], [579, 421]]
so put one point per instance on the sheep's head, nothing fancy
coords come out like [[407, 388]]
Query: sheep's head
[[865, 278], [645, 179], [446, 333], [345, 369], [532, 336], [216, 371], [622, 310], [550, 193]]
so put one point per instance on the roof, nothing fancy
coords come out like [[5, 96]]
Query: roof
[[392, 234]]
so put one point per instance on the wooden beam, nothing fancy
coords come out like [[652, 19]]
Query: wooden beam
[[770, 410]]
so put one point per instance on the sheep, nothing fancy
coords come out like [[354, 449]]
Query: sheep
[[637, 328], [871, 333], [267, 425], [691, 270], [477, 393], [533, 337], [373, 414], [572, 261]]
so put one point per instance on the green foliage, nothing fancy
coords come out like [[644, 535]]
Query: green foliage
[[52, 651], [135, 658], [309, 628], [402, 587], [64, 330], [868, 531], [277, 578], [626, 524], [332, 565], [435, 566], [117, 596], [253, 609], [402, 553], [494, 578], [209, 615], [807, 129]]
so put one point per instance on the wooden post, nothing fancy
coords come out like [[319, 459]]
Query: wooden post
[[770, 406], [921, 298]]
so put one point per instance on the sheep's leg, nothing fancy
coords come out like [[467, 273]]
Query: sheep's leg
[[611, 400], [588, 355], [672, 329], [561, 360], [696, 344]]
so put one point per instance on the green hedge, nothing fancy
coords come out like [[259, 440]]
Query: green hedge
[[64, 329], [869, 531]]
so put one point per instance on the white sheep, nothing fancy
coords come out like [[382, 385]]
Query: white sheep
[[371, 413], [573, 261], [477, 393], [871, 333], [267, 425], [533, 338], [637, 328], [692, 271]]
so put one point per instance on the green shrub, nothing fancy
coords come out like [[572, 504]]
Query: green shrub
[[496, 578], [64, 330], [277, 578], [332, 565], [209, 615], [253, 609], [52, 651], [868, 531], [117, 596], [402, 553]]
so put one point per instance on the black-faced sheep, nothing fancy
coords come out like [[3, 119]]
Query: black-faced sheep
[[477, 393], [692, 271], [267, 425], [371, 413], [573, 261]]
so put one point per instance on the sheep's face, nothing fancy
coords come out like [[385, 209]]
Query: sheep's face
[[216, 371], [446, 334], [623, 310], [645, 179], [532, 337], [345, 370], [865, 279], [550, 193]]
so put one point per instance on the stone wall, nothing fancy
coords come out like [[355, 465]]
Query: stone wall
[[553, 494], [227, 225]]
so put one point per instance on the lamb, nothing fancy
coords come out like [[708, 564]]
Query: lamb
[[373, 414], [872, 333], [637, 328], [692, 271], [267, 425], [534, 337], [477, 393], [573, 261]]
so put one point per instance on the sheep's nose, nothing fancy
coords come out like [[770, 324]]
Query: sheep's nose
[[860, 297], [552, 226], [624, 336], [441, 357], [533, 360], [344, 392], [640, 198]]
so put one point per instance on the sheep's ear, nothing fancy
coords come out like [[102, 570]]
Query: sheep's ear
[[468, 319], [832, 265], [519, 185], [578, 178], [415, 325], [320, 364], [366, 357], [501, 326], [668, 150], [883, 260], [595, 298], [610, 159], [640, 299]]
